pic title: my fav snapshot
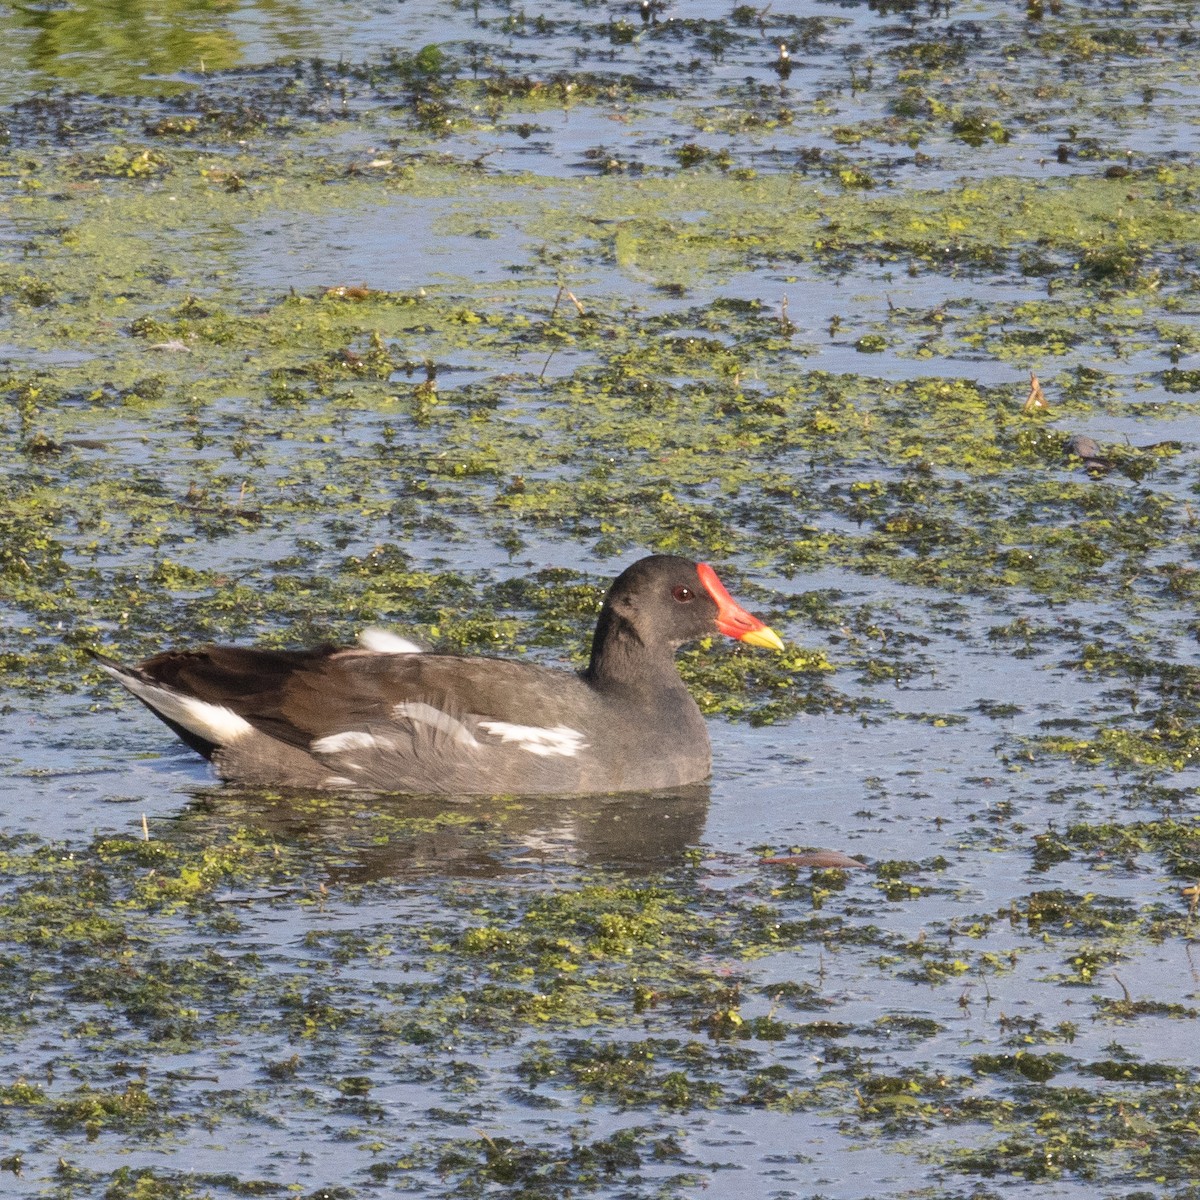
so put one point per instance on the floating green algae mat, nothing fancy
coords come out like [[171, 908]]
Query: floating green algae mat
[[662, 998], [435, 318]]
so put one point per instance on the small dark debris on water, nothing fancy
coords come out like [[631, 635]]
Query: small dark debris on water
[[1080, 446], [1129, 460], [41, 446]]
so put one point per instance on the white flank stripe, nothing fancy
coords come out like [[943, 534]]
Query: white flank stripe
[[213, 722], [561, 739], [384, 641], [352, 739], [428, 714]]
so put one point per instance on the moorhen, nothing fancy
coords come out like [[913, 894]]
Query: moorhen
[[385, 717]]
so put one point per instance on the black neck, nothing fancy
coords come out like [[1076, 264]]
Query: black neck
[[621, 660]]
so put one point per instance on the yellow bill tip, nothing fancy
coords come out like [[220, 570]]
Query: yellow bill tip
[[765, 637]]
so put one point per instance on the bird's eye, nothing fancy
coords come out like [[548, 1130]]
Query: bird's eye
[[683, 594]]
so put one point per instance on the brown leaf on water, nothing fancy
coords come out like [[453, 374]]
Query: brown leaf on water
[[342, 292], [826, 859], [1037, 401]]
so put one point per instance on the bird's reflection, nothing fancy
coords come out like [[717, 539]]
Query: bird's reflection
[[359, 839]]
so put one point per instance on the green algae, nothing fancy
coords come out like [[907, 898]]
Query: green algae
[[557, 969], [191, 454]]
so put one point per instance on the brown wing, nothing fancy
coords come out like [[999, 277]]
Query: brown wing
[[300, 696], [353, 690]]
